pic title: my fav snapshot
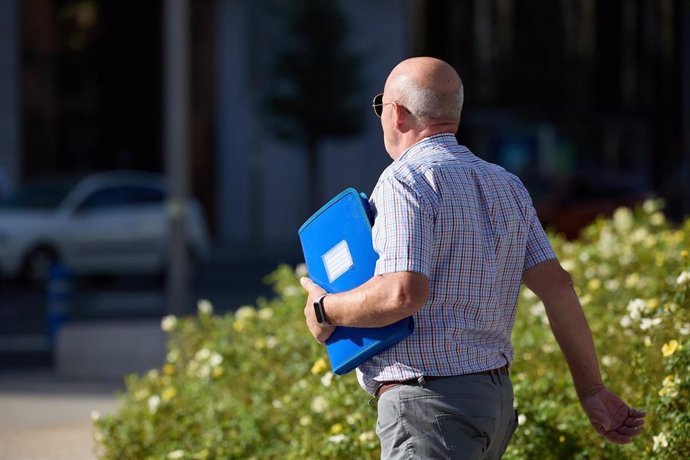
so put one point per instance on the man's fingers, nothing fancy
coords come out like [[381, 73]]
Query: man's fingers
[[309, 285], [636, 413], [305, 282], [634, 422], [325, 333], [629, 430]]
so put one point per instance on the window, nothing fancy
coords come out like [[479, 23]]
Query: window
[[111, 197]]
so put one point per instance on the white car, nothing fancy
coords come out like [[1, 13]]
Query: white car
[[104, 223]]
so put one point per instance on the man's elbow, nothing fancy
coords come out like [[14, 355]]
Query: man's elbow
[[411, 293], [562, 278]]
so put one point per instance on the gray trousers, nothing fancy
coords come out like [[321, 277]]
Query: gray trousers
[[462, 417]]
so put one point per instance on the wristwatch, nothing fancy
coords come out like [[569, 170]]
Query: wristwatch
[[320, 312]]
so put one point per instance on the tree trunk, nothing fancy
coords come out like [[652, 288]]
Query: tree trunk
[[313, 175]]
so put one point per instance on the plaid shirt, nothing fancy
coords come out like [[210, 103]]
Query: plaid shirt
[[470, 227]]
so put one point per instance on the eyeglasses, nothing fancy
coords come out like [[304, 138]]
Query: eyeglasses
[[377, 104]]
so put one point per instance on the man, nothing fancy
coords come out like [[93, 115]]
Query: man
[[456, 236]]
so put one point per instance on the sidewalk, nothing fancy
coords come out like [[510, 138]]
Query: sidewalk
[[43, 417]]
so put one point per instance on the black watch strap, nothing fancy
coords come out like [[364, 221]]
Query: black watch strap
[[320, 312]]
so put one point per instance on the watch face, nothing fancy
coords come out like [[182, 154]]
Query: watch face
[[319, 312]]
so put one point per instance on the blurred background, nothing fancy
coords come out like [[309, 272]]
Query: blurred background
[[156, 152]]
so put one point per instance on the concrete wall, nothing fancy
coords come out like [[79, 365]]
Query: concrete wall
[[109, 350]]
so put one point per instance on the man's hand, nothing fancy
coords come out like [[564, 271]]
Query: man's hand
[[611, 417], [320, 333]]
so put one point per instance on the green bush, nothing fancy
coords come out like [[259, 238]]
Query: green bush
[[254, 384]]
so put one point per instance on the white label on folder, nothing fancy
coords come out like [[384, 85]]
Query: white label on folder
[[337, 260]]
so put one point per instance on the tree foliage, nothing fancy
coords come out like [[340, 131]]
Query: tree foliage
[[313, 92]]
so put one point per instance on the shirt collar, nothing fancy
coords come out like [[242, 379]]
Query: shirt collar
[[443, 139]]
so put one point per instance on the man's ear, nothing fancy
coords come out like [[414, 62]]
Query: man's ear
[[403, 119]]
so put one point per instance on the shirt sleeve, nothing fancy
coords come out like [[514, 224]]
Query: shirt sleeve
[[402, 231], [538, 248]]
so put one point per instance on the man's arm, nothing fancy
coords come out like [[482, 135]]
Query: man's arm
[[381, 301], [611, 417]]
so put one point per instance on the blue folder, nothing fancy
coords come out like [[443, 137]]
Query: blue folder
[[338, 251]]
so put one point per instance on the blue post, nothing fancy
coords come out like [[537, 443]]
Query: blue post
[[59, 299]]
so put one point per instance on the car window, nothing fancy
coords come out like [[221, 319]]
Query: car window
[[111, 197], [144, 195], [105, 198]]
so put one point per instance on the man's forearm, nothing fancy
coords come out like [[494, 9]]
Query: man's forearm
[[381, 301], [574, 337], [554, 287]]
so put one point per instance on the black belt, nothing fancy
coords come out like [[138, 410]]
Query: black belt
[[385, 386]]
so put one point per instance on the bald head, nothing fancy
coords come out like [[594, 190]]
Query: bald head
[[429, 88]]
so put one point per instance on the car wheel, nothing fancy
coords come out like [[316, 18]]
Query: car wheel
[[37, 264]]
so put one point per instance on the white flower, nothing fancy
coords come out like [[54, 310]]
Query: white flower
[[639, 235], [528, 294], [271, 342], [625, 321], [669, 387], [538, 309], [292, 291], [635, 307], [204, 371], [548, 347], [684, 329], [660, 441], [327, 379], [153, 402], [319, 404], [215, 360], [176, 454], [649, 206], [367, 436], [522, 418], [612, 284], [95, 415], [657, 219], [202, 354], [168, 323], [608, 360], [266, 313], [337, 439], [647, 323], [245, 312], [301, 270], [622, 219], [172, 356], [205, 307], [683, 278]]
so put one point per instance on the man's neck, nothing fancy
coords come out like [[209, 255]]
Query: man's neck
[[412, 137]]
